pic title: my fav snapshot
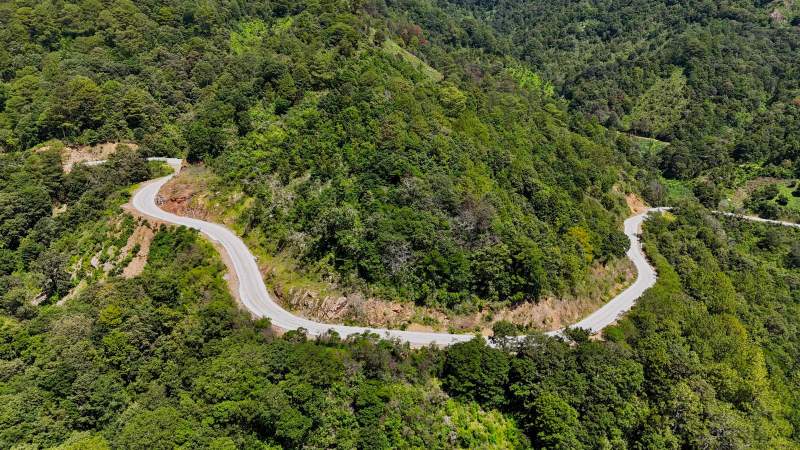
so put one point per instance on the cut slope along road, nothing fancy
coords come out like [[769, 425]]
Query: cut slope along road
[[255, 297]]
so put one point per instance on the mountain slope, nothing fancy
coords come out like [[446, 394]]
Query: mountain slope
[[447, 185], [735, 60]]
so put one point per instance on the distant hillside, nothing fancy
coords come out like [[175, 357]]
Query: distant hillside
[[711, 77]]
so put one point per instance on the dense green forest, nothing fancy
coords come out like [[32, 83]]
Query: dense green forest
[[719, 80], [446, 152], [166, 360], [39, 242], [446, 185]]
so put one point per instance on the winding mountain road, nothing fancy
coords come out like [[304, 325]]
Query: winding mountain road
[[255, 297]]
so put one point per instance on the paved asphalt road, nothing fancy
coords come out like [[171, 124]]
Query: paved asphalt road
[[252, 291], [256, 298]]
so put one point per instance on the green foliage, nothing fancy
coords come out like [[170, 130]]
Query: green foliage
[[415, 150], [393, 48], [732, 291], [380, 158], [181, 366], [443, 193], [666, 378], [707, 193], [38, 245], [476, 372], [775, 201], [555, 423], [530, 80], [20, 210], [131, 364], [167, 360], [248, 37], [716, 80], [659, 108], [503, 328]]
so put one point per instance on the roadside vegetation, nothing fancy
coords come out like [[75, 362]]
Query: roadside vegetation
[[166, 359], [58, 229], [317, 293], [707, 358], [405, 188], [775, 199]]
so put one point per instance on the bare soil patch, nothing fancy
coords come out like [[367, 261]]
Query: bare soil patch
[[603, 283], [142, 237], [187, 193], [74, 155], [548, 314], [635, 203]]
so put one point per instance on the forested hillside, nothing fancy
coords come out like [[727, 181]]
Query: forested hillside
[[719, 80], [446, 182], [91, 358], [41, 245], [166, 360], [449, 153]]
